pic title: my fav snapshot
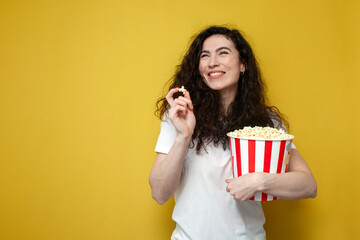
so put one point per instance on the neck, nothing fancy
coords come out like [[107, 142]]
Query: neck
[[227, 97]]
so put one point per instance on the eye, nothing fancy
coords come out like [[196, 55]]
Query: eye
[[223, 52], [204, 55]]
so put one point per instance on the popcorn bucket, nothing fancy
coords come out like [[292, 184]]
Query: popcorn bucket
[[259, 155]]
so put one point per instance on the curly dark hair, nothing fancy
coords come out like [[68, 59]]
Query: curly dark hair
[[249, 107]]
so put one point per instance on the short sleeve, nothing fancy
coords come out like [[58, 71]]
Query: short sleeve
[[166, 137], [282, 127]]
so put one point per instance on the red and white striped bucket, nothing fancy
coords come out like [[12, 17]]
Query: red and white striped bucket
[[256, 155]]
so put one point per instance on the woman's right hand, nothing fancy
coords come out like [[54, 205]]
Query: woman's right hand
[[181, 113]]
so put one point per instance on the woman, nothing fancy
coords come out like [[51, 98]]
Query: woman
[[225, 92]]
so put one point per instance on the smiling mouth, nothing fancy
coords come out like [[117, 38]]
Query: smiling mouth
[[213, 74]]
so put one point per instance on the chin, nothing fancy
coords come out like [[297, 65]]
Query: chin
[[214, 87]]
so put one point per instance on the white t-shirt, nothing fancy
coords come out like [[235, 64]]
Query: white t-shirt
[[204, 210]]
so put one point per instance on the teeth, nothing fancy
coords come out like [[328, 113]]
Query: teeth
[[215, 74]]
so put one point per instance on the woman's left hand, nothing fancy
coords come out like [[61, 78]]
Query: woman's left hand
[[244, 187], [297, 183]]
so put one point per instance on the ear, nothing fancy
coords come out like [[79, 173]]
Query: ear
[[242, 68]]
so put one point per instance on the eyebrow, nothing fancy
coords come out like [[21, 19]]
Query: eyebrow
[[217, 50]]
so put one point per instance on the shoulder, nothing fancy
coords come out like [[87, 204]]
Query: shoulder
[[276, 119]]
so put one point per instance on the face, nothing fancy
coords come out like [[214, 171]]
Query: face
[[220, 66]]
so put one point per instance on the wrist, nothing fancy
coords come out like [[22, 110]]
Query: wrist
[[264, 180], [183, 138]]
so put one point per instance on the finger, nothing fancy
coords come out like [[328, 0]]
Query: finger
[[229, 180], [179, 109], [169, 97], [244, 199], [181, 102], [187, 96], [187, 101], [184, 108]]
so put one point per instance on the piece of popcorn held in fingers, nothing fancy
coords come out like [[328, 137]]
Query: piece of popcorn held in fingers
[[183, 90]]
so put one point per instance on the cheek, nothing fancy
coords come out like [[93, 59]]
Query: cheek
[[201, 69], [235, 66], [231, 62]]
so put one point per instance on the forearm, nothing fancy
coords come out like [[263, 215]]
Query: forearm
[[296, 184], [290, 186], [166, 173]]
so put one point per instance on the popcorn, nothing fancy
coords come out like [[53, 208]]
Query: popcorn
[[260, 133], [183, 90], [259, 149]]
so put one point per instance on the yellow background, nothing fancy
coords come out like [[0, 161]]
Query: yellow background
[[78, 85]]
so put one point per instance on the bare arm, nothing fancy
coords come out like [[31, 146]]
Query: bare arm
[[297, 183], [166, 172]]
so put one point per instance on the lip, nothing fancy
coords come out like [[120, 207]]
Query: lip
[[219, 74]]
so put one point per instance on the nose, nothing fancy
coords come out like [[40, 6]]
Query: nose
[[214, 62]]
